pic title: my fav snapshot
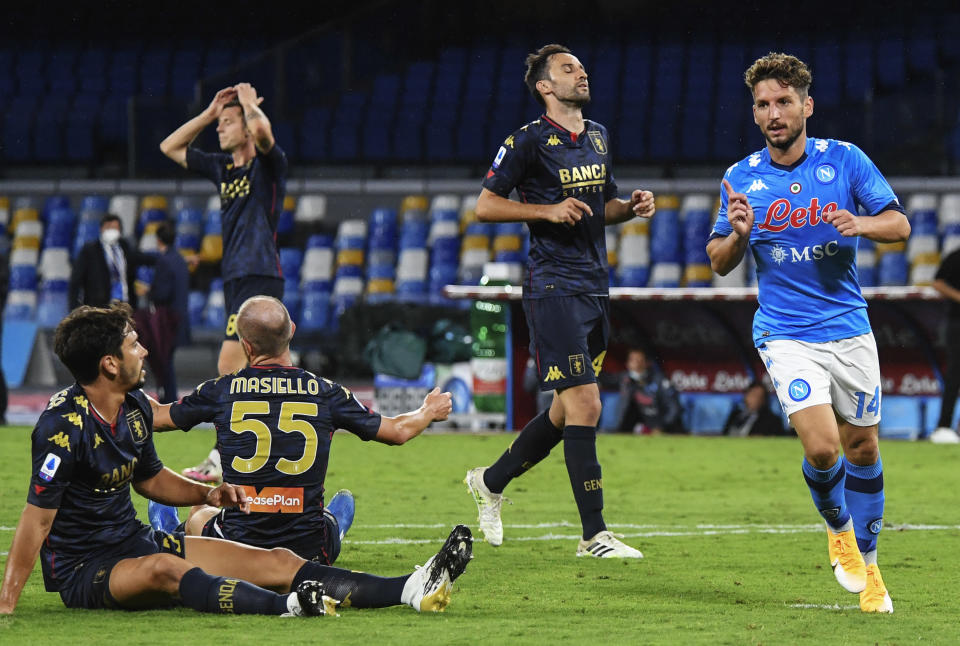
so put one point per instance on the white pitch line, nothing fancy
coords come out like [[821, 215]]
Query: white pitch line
[[822, 606]]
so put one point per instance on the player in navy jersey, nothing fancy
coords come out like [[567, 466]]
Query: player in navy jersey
[[794, 204], [274, 427], [251, 176], [561, 168], [94, 442]]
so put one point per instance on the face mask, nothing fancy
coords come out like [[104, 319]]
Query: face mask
[[635, 375], [109, 236]]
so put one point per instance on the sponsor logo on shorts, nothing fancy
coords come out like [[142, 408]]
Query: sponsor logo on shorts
[[799, 390], [553, 374], [275, 500], [875, 526]]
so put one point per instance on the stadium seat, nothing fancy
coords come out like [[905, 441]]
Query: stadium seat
[[125, 207], [315, 310], [87, 230], [55, 263], [214, 315], [892, 270], [196, 302], [665, 231], [21, 305], [290, 261], [61, 225]]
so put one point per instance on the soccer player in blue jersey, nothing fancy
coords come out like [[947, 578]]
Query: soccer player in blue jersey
[[794, 204], [561, 168], [94, 442], [251, 177], [274, 427]]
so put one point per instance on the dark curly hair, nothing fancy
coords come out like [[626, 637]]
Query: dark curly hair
[[88, 334], [785, 69], [537, 68]]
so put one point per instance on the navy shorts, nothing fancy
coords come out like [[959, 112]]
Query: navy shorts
[[568, 338], [240, 289], [322, 545], [89, 585]]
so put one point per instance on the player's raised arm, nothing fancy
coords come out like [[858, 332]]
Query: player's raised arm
[[176, 143], [35, 523], [641, 205], [726, 253], [257, 122], [397, 430], [493, 208]]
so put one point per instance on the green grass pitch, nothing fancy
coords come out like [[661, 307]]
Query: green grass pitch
[[735, 553]]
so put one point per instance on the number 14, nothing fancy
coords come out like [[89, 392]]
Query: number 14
[[873, 407]]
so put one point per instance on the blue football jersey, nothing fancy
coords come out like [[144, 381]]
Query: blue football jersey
[[274, 426], [251, 198], [546, 164], [806, 270], [83, 467]]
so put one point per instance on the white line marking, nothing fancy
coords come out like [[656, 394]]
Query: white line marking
[[822, 606]]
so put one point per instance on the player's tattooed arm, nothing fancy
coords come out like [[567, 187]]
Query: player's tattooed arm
[[257, 122]]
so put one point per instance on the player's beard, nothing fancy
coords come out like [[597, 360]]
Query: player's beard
[[785, 144]]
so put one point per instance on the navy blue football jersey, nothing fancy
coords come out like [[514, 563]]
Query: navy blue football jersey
[[251, 198], [274, 426], [546, 164], [83, 467]]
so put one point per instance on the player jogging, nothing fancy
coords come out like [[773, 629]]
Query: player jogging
[[274, 427], [94, 442], [795, 203], [560, 165], [250, 175]]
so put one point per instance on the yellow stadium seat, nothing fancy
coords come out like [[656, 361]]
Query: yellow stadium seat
[[151, 228], [26, 242], [887, 247], [153, 202], [667, 202], [475, 241], [414, 203], [380, 286], [289, 203], [612, 259], [350, 257], [636, 226], [507, 243], [931, 258], [22, 215], [211, 248], [698, 273], [467, 216]]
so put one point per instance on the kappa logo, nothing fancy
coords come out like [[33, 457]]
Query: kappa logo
[[577, 364], [553, 140], [596, 138], [508, 141], [754, 160], [821, 145], [74, 418], [553, 374], [757, 185], [62, 440]]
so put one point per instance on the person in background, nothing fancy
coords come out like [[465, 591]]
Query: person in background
[[164, 325], [105, 268], [947, 282], [753, 416], [648, 402]]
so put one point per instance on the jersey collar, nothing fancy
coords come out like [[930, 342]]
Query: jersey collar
[[573, 136]]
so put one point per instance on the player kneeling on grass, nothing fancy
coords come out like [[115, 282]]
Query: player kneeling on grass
[[274, 427], [94, 441]]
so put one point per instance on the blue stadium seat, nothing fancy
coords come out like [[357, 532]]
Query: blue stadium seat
[[61, 225], [707, 412], [212, 223], [290, 261], [23, 277], [634, 276], [665, 236], [292, 298], [285, 223], [315, 310], [95, 203], [314, 137], [52, 305], [87, 230], [893, 269], [214, 315], [319, 240], [196, 301], [189, 241]]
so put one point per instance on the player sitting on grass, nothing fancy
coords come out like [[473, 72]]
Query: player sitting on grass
[[274, 427], [94, 441]]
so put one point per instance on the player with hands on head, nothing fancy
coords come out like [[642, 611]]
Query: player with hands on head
[[561, 167], [250, 175], [274, 427], [793, 204]]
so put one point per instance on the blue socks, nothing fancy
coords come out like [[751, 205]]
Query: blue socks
[[864, 493], [826, 488]]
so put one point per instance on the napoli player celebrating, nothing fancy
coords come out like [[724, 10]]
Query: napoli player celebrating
[[560, 166], [794, 204], [251, 177], [274, 426], [94, 442]]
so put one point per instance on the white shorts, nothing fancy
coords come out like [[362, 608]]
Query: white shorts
[[844, 374]]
